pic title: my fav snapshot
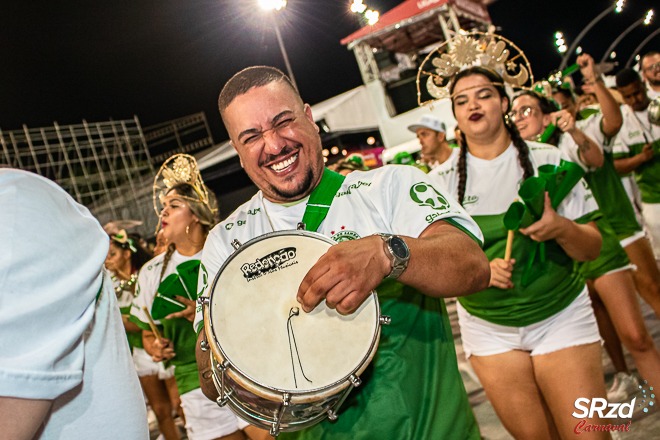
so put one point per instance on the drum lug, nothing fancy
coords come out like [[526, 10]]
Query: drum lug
[[301, 226], [203, 301], [385, 320], [204, 345], [235, 244], [355, 382], [223, 398], [275, 429]]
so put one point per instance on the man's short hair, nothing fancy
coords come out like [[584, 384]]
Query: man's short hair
[[248, 78], [627, 77], [648, 55], [566, 93]]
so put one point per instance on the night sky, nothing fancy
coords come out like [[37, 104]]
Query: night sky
[[70, 60]]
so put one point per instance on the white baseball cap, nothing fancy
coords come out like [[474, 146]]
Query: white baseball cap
[[430, 122]]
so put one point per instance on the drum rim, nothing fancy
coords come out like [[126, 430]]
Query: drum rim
[[368, 357]]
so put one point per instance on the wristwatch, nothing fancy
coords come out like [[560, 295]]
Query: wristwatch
[[397, 251]]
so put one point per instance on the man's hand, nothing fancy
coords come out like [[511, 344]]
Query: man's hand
[[587, 68], [345, 275], [647, 152]]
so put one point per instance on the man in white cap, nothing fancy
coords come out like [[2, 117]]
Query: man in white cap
[[431, 133]]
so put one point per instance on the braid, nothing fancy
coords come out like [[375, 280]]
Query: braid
[[166, 260], [523, 150], [462, 170]]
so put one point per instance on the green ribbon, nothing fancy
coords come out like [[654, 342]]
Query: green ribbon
[[557, 181], [321, 198]]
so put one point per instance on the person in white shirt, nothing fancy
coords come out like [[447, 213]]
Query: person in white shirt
[[650, 68], [65, 366]]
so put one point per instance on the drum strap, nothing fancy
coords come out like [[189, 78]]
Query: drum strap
[[321, 198]]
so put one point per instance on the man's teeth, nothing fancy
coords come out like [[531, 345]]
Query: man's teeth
[[285, 163]]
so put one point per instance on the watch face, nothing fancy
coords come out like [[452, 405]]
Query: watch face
[[399, 247]]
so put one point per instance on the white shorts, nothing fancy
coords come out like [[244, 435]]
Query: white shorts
[[205, 420], [633, 238], [575, 325], [145, 366], [651, 214]]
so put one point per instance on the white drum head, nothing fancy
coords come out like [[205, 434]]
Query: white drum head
[[250, 304]]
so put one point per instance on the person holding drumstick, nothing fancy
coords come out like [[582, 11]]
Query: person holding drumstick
[[125, 257], [167, 283], [531, 337], [431, 247]]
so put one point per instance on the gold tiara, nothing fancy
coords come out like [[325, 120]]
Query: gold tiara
[[466, 50], [180, 168]]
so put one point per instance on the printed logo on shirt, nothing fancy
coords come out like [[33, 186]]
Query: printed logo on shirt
[[344, 235], [204, 281], [470, 200], [355, 185], [254, 211], [425, 195], [270, 263]]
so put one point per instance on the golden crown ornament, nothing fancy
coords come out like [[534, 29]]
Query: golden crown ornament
[[180, 168], [466, 50]]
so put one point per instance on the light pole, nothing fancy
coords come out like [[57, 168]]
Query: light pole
[[641, 45], [276, 6], [646, 21], [617, 7]]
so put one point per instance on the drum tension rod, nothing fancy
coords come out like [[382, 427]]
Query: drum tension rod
[[355, 382], [385, 320], [275, 429], [235, 244], [223, 398]]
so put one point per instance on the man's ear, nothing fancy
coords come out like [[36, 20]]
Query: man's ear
[[240, 159], [308, 113]]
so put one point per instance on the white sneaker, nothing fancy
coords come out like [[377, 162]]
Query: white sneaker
[[623, 386]]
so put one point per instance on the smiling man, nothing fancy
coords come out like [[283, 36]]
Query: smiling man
[[430, 246]]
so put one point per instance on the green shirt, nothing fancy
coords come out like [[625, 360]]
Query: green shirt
[[402, 376]]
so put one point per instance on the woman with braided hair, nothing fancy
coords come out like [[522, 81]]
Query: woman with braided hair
[[532, 341], [167, 290]]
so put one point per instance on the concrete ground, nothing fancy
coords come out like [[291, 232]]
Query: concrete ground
[[645, 425]]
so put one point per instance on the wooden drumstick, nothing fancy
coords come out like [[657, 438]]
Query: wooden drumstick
[[152, 324], [509, 245]]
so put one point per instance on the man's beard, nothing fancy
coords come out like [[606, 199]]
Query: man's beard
[[300, 190]]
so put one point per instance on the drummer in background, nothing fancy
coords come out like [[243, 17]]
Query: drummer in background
[[414, 389], [188, 212]]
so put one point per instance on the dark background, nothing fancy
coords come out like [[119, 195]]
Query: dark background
[[70, 60]]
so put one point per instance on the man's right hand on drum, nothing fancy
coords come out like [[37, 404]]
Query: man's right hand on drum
[[345, 275], [439, 259]]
